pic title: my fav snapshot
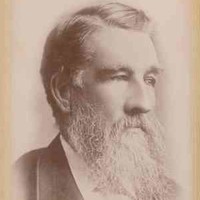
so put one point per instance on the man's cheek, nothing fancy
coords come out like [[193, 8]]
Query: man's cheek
[[111, 102], [152, 97]]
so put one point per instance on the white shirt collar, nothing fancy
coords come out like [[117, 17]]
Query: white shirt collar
[[80, 172]]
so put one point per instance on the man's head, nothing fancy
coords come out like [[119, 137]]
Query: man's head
[[70, 46], [99, 70]]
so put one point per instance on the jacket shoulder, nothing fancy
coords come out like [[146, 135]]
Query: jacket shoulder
[[28, 160], [25, 175]]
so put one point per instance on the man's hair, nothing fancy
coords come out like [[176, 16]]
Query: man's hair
[[64, 49]]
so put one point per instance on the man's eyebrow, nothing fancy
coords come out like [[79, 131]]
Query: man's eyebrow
[[154, 70], [105, 72], [111, 70]]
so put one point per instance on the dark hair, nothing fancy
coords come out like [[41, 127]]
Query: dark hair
[[64, 47]]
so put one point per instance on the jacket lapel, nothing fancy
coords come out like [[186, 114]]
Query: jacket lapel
[[54, 177]]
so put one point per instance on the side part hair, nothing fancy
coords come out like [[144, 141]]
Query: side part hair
[[65, 51]]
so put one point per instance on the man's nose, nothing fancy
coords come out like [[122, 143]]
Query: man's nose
[[139, 100]]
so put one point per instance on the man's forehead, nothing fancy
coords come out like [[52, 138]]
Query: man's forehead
[[115, 47], [117, 36]]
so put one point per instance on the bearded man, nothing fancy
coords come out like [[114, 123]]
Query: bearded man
[[99, 69]]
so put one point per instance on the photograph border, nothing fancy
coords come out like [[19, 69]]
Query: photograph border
[[5, 98], [195, 103]]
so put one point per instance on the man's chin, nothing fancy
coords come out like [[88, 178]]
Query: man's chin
[[129, 134]]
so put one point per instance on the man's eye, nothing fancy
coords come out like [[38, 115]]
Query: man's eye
[[119, 77], [150, 81]]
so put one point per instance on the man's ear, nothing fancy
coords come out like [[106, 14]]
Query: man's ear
[[62, 98]]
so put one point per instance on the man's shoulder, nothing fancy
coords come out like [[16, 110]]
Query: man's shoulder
[[45, 174], [29, 160], [25, 175]]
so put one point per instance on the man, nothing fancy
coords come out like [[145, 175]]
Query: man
[[99, 69]]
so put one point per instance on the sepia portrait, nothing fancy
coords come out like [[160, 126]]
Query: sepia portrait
[[101, 100]]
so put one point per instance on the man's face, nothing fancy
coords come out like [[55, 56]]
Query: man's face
[[122, 74], [111, 126]]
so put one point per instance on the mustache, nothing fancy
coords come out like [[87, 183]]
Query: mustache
[[141, 121]]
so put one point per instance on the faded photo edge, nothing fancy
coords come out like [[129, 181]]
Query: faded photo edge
[[5, 93], [195, 106], [5, 97]]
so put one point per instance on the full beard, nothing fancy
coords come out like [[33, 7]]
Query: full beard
[[125, 158]]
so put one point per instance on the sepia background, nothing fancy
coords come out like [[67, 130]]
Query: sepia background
[[32, 124]]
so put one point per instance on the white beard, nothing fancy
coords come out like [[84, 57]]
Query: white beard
[[121, 161]]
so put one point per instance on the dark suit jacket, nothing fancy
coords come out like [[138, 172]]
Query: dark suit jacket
[[45, 174]]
